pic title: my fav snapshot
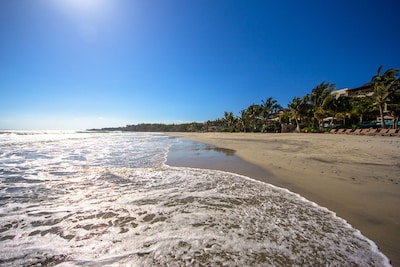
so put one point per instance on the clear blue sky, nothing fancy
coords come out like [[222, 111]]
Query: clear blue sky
[[77, 64]]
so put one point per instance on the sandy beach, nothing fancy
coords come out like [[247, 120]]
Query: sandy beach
[[357, 177]]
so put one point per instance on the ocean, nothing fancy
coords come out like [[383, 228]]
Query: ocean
[[110, 199]]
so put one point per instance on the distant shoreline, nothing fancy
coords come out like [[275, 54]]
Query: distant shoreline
[[354, 176]]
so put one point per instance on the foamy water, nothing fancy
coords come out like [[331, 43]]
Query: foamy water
[[89, 199]]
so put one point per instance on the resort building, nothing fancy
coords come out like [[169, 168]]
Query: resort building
[[361, 91]]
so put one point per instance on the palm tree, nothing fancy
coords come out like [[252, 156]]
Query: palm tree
[[394, 105], [384, 88], [339, 107], [243, 120], [252, 113], [361, 106], [297, 109], [320, 98], [230, 121], [269, 107]]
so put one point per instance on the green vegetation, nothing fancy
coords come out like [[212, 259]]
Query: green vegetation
[[386, 88], [322, 109], [318, 111], [159, 127]]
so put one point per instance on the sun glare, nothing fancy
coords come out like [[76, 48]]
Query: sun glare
[[83, 5], [92, 8], [87, 16]]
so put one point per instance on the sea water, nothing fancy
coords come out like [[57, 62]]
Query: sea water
[[95, 199]]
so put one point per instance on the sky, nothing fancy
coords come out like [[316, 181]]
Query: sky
[[80, 64]]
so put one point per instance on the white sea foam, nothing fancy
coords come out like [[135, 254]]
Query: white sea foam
[[109, 199]]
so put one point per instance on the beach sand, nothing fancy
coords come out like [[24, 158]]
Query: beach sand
[[357, 177]]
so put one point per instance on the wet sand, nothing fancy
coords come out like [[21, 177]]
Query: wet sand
[[358, 177]]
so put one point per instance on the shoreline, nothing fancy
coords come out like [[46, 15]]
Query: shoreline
[[211, 157], [357, 177]]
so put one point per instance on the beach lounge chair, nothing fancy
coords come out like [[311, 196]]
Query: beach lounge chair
[[357, 131], [332, 131], [365, 131], [340, 131], [372, 132], [348, 131], [382, 132], [391, 132]]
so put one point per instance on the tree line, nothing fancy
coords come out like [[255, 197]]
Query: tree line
[[159, 127], [306, 113]]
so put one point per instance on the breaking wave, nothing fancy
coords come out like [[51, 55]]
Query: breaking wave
[[85, 199]]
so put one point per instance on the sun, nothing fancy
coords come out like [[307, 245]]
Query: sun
[[87, 17]]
